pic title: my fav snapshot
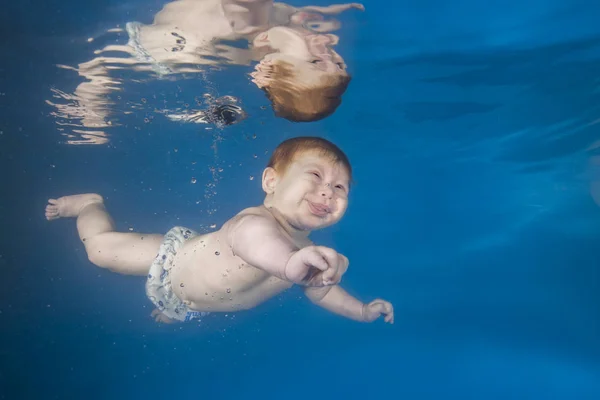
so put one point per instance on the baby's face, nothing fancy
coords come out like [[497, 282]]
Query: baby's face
[[310, 55], [313, 192]]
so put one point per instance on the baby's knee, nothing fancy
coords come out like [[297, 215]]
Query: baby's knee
[[97, 254]]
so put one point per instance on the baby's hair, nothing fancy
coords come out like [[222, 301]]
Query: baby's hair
[[296, 102], [289, 149]]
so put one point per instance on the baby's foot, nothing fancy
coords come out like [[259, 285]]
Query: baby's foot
[[70, 206], [160, 317]]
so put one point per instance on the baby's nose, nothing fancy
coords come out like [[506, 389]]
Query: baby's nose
[[327, 191]]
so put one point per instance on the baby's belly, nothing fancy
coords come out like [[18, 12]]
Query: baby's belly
[[225, 287], [230, 295]]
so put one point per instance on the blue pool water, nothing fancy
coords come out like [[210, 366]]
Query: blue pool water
[[474, 133]]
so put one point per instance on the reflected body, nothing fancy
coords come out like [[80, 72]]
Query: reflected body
[[290, 50]]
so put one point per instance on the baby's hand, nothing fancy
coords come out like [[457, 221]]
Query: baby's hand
[[316, 266], [374, 309], [160, 317]]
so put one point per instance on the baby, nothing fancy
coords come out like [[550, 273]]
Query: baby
[[256, 255]]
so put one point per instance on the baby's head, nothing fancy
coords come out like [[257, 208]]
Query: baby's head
[[308, 181], [303, 78]]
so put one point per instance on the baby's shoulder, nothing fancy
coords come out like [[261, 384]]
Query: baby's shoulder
[[254, 214], [252, 211]]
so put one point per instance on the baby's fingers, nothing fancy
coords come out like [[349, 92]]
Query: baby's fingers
[[316, 260], [384, 307], [329, 276], [389, 318], [331, 257]]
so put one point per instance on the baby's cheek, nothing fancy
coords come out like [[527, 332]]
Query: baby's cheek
[[342, 205]]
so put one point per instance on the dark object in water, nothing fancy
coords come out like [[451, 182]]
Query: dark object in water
[[217, 114], [225, 114]]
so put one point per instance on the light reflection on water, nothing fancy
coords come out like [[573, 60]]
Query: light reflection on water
[[287, 51]]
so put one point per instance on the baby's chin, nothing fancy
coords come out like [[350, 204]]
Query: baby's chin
[[313, 222], [302, 223]]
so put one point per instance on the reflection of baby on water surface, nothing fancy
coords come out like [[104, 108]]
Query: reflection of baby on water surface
[[299, 71], [292, 49], [296, 66]]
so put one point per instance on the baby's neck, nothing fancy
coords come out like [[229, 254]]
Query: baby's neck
[[296, 234]]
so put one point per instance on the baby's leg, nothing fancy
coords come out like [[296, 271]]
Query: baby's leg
[[127, 253]]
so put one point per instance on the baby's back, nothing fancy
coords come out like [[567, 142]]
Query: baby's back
[[209, 277]]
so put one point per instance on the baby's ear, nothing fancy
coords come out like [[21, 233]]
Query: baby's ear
[[269, 180]]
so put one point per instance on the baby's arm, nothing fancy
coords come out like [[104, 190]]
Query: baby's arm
[[333, 9], [338, 301], [285, 14], [260, 242]]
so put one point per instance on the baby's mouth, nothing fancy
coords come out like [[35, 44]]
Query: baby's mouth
[[320, 210]]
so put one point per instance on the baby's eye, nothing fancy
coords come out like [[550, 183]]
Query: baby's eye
[[314, 61], [341, 188], [316, 174]]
